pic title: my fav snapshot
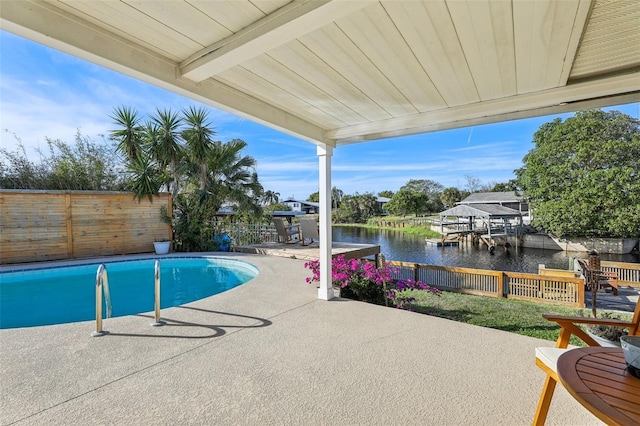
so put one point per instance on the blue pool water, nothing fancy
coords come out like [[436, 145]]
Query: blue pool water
[[67, 294]]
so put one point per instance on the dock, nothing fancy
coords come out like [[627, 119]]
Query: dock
[[310, 252], [440, 243]]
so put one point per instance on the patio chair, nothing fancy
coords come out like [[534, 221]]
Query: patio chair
[[286, 234], [601, 279], [547, 358], [309, 231]]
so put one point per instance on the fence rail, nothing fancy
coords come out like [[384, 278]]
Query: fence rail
[[628, 273], [515, 285], [243, 233], [557, 290]]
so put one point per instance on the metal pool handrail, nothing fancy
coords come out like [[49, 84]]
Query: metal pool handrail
[[102, 286], [158, 321]]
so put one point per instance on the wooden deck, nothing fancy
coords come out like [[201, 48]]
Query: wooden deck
[[309, 252], [439, 243]]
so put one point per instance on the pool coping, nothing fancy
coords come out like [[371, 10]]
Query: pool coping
[[18, 267]]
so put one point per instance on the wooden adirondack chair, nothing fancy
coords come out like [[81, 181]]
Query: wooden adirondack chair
[[546, 357], [286, 234], [309, 229]]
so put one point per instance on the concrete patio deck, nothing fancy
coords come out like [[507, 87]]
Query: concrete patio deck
[[270, 352]]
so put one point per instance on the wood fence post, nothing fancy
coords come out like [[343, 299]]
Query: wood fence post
[[416, 272], [501, 292]]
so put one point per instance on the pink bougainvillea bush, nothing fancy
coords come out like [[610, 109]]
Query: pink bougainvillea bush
[[362, 280]]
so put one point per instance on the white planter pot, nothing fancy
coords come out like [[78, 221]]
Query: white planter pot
[[162, 247]]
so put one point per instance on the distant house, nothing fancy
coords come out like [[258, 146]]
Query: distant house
[[382, 201], [307, 207], [509, 199]]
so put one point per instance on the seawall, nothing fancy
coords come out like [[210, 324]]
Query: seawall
[[601, 245]]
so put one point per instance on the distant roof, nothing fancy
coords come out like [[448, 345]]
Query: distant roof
[[228, 211], [480, 210], [383, 199], [285, 213], [493, 197], [309, 203]]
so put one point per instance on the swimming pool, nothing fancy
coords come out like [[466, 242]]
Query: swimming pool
[[46, 296]]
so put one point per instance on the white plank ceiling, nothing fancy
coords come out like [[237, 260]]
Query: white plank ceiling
[[343, 71]]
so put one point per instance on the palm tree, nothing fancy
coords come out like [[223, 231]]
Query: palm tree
[[177, 150], [130, 133], [145, 179], [166, 147], [270, 197], [199, 146], [231, 177]]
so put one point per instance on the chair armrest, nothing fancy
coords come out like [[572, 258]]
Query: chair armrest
[[585, 320], [569, 327]]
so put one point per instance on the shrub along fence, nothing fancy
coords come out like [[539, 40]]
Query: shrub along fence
[[52, 225], [514, 285]]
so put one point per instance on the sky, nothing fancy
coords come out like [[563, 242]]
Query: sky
[[45, 93]]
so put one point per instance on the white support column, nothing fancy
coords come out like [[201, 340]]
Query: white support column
[[325, 291]]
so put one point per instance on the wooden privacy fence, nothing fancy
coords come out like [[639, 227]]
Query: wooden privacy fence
[[514, 285], [52, 225]]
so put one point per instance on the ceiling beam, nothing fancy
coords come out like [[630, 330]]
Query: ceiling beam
[[50, 26], [616, 90], [579, 26], [285, 24]]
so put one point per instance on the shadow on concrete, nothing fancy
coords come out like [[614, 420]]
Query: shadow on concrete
[[218, 330]]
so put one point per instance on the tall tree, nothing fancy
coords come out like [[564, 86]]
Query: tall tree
[[426, 195], [144, 178], [197, 135], [450, 196], [166, 147], [386, 193], [270, 197], [177, 151], [512, 185], [314, 198], [473, 183], [357, 208], [336, 197], [129, 135], [583, 175], [405, 201], [232, 178]]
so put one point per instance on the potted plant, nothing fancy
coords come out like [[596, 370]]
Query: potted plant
[[161, 244], [162, 247]]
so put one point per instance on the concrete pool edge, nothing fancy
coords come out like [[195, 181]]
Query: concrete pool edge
[[108, 259]]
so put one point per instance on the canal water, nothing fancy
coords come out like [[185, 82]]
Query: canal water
[[408, 248]]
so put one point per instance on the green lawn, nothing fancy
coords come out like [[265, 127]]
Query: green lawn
[[514, 316]]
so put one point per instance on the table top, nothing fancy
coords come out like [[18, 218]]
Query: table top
[[598, 378]]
